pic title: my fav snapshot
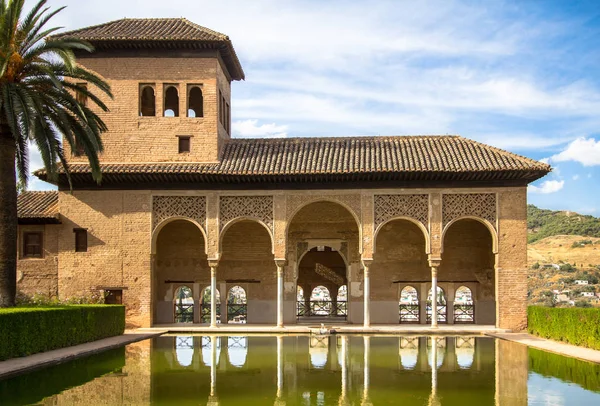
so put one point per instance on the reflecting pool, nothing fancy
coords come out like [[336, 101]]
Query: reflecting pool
[[312, 370]]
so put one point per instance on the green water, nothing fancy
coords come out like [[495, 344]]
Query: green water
[[305, 371]]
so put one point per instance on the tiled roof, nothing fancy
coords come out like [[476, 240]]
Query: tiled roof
[[38, 207], [410, 159], [153, 32]]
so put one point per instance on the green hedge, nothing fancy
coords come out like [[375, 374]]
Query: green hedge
[[572, 325], [582, 373], [27, 330]]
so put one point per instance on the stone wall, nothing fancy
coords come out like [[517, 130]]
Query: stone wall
[[39, 276]]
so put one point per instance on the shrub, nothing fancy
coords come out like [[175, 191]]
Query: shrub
[[28, 330], [535, 266], [567, 268], [573, 325]]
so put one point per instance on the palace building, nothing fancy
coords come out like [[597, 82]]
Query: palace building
[[190, 225]]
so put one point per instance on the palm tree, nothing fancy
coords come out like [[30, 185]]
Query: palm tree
[[39, 83]]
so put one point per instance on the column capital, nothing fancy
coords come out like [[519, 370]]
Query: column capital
[[281, 263], [367, 262], [434, 262], [213, 263]]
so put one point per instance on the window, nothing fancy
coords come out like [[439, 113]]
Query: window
[[227, 117], [195, 102], [32, 245], [220, 107], [171, 102], [184, 144], [81, 243], [147, 101], [81, 95], [113, 296]]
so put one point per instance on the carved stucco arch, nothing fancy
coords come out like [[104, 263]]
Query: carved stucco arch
[[409, 219], [163, 223], [485, 222], [291, 215], [236, 220]]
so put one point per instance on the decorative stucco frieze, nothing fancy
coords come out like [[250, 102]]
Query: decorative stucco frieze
[[257, 207], [481, 205], [165, 207], [387, 207]]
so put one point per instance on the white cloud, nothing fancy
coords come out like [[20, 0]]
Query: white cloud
[[586, 151], [575, 177], [545, 160], [250, 129], [549, 186]]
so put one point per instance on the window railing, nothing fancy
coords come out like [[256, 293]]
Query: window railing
[[464, 313], [323, 308], [237, 313], [184, 312], [205, 315], [442, 313], [409, 313]]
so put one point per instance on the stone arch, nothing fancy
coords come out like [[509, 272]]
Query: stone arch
[[408, 305], [291, 216], [165, 222], [404, 218], [468, 258], [240, 219], [485, 222], [179, 258]]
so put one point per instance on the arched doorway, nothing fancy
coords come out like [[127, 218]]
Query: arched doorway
[[400, 260], [409, 308], [237, 305], [205, 314], [322, 271], [323, 239], [180, 261], [468, 260]]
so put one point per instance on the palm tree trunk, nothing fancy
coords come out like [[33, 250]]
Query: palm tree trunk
[[8, 218]]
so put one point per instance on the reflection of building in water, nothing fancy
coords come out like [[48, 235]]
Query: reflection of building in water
[[409, 352], [184, 349], [237, 350], [319, 350], [208, 343], [465, 351]]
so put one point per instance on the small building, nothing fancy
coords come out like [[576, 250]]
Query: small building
[[184, 206], [588, 294], [581, 282]]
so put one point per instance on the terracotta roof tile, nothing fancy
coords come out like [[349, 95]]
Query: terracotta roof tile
[[400, 158], [38, 206], [158, 32]]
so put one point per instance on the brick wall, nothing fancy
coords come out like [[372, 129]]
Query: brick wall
[[39, 275]]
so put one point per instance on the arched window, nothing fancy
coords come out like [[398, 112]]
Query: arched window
[[299, 294], [206, 305], [184, 305], [437, 344], [237, 350], [320, 302], [237, 308], [171, 102], [207, 344], [465, 351], [441, 306], [195, 102], [147, 102], [409, 305], [464, 308], [409, 352]]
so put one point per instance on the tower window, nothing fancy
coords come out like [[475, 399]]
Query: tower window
[[195, 102], [32, 245], [227, 118], [147, 101], [184, 144], [81, 240], [171, 102]]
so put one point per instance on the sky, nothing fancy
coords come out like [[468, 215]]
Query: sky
[[520, 75]]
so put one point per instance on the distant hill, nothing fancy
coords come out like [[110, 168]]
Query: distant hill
[[542, 223]]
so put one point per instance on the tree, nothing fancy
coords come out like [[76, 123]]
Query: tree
[[38, 103]]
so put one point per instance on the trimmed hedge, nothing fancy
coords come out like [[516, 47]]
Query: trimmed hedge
[[28, 330], [582, 373], [572, 325]]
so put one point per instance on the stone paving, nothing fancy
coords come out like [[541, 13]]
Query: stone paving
[[17, 366]]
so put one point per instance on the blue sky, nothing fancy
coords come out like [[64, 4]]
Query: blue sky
[[520, 75]]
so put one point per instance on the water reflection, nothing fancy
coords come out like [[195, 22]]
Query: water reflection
[[324, 370]]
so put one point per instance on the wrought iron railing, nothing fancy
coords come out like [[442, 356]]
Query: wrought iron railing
[[442, 313], [205, 315], [237, 313], [409, 313], [184, 312], [464, 313], [323, 308]]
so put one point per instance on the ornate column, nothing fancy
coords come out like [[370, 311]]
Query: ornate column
[[213, 293], [213, 400], [280, 264], [343, 400], [278, 400], [434, 263], [433, 398], [367, 292], [365, 399]]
